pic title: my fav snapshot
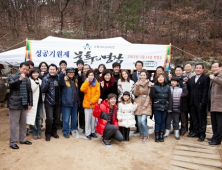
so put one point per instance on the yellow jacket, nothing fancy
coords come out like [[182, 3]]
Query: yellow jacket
[[91, 93]]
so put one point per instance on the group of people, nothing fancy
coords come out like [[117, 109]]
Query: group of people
[[110, 102]]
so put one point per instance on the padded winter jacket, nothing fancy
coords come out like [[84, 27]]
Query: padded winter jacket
[[91, 93]]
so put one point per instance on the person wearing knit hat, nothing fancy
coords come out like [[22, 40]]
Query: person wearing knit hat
[[125, 115]]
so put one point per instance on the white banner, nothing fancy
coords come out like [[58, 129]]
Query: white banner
[[95, 52]]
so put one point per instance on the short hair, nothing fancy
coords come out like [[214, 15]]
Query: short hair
[[138, 62], [30, 63], [62, 62], [121, 75], [80, 62], [219, 63], [53, 65], [40, 65], [161, 67], [88, 66], [33, 70], [165, 80], [187, 64], [178, 66], [102, 65], [90, 71], [201, 64], [144, 71], [24, 64], [175, 79], [106, 71], [116, 65], [111, 95]]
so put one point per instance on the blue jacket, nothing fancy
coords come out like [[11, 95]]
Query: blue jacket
[[68, 90], [49, 89]]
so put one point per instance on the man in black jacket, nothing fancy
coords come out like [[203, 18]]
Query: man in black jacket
[[198, 88], [20, 100], [50, 87]]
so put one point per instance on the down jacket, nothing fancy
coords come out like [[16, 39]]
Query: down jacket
[[91, 93], [67, 91], [49, 89], [142, 90], [101, 124], [14, 101], [126, 114]]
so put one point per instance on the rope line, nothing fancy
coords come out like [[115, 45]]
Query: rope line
[[184, 51]]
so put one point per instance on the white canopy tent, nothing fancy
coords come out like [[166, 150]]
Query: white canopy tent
[[16, 56]]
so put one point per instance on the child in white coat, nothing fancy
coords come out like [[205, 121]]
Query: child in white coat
[[125, 115]]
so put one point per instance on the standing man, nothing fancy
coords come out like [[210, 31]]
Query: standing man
[[135, 77], [51, 89], [184, 105], [199, 86], [20, 100], [188, 71], [116, 71], [215, 96], [188, 74]]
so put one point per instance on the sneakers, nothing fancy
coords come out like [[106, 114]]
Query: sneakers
[[106, 143]]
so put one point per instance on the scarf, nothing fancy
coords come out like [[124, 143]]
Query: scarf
[[23, 91]]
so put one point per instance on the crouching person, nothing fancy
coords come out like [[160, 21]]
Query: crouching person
[[70, 99], [174, 107], [20, 100], [107, 124]]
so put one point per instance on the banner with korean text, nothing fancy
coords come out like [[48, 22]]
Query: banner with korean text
[[95, 52]]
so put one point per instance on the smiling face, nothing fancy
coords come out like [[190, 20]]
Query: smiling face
[[188, 68], [112, 101], [107, 77], [91, 77], [143, 76], [71, 75], [160, 79], [63, 66], [178, 72], [199, 69], [215, 68], [101, 69], [35, 75], [85, 69], [124, 75], [24, 69], [116, 69], [126, 98], [139, 67], [43, 67], [52, 71]]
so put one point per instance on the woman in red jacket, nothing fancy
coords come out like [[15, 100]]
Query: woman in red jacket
[[107, 124]]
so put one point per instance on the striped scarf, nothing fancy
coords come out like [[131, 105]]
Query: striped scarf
[[23, 91]]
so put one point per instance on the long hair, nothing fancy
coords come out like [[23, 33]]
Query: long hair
[[165, 80]]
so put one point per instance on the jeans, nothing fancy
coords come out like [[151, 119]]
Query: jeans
[[111, 131], [160, 118], [66, 113], [36, 129], [142, 124], [52, 118]]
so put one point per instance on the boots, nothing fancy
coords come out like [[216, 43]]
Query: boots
[[177, 134], [167, 133], [122, 130], [161, 136], [127, 131], [157, 136]]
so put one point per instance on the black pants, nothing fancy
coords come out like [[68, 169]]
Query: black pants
[[52, 118], [111, 131], [175, 117], [81, 117], [216, 121], [184, 122], [199, 120]]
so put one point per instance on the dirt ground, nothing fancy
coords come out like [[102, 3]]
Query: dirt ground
[[82, 154]]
